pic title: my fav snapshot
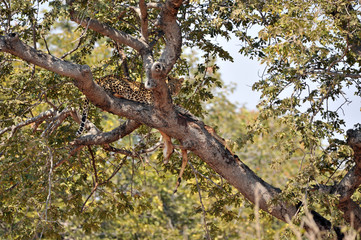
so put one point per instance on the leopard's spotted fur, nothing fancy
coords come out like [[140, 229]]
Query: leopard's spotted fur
[[130, 90], [135, 91]]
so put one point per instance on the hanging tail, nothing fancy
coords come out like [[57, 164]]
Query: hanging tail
[[83, 118]]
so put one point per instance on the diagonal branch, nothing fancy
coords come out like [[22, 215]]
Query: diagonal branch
[[108, 137], [40, 118], [83, 80], [106, 30], [11, 43]]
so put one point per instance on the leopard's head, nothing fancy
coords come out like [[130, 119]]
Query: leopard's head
[[175, 85]]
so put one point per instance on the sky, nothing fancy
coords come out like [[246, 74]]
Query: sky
[[244, 72]]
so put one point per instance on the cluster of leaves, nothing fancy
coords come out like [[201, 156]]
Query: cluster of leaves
[[308, 48]]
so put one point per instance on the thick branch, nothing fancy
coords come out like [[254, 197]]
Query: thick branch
[[349, 184], [352, 213], [118, 36], [196, 138], [108, 137], [83, 80], [12, 44], [352, 180], [173, 35], [172, 51], [40, 118], [143, 19]]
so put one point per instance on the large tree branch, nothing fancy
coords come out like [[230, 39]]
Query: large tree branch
[[198, 139], [349, 184], [104, 29], [352, 213], [82, 79], [108, 137], [143, 19], [172, 51], [173, 35], [158, 71], [11, 43], [191, 133]]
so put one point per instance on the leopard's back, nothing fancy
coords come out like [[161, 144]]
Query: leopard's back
[[124, 88], [131, 90], [134, 91]]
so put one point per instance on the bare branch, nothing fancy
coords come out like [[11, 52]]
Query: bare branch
[[208, 236], [93, 164], [122, 151], [97, 184], [40, 118], [57, 120], [76, 47], [333, 73], [71, 153], [91, 194], [118, 36], [12, 44], [108, 137], [143, 19], [50, 184]]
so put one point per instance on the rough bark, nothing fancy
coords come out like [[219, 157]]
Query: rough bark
[[190, 132], [163, 116], [349, 184]]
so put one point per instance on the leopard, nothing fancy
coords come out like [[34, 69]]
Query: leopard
[[121, 87]]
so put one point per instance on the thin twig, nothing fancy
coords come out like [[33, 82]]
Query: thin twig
[[48, 199], [40, 117], [87, 199], [124, 59], [120, 165], [208, 179], [208, 236], [72, 153], [96, 185], [94, 166], [79, 42]]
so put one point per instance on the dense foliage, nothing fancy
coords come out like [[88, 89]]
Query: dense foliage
[[49, 190]]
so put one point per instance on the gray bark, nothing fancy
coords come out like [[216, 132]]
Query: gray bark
[[163, 116]]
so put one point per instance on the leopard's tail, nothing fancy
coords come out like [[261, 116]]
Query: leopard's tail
[[83, 118]]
